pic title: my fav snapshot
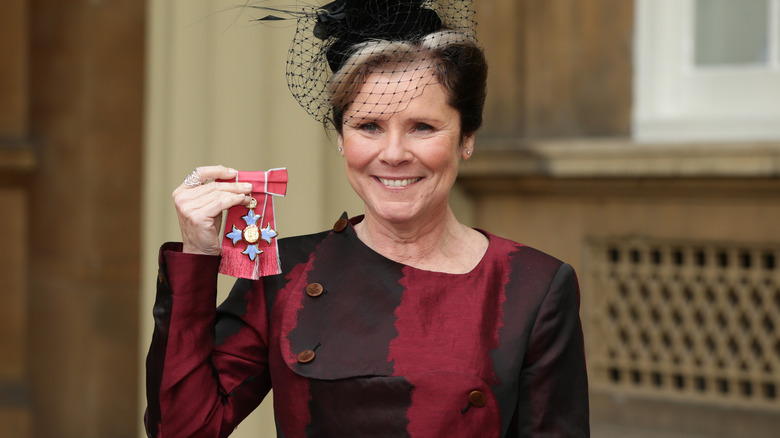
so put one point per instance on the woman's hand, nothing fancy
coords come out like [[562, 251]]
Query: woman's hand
[[199, 204]]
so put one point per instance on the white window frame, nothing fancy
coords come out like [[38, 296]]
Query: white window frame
[[676, 101]]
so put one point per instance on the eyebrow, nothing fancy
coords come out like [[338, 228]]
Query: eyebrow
[[359, 117]]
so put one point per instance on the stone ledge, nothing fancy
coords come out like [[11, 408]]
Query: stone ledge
[[669, 418], [619, 158], [17, 161], [15, 157]]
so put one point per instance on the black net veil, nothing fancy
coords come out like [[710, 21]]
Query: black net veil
[[340, 45]]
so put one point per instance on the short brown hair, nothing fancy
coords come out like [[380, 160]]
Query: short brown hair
[[456, 59]]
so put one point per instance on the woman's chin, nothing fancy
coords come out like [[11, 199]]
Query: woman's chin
[[396, 216], [401, 213]]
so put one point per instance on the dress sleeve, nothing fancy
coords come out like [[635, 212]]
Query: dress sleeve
[[206, 369], [553, 392]]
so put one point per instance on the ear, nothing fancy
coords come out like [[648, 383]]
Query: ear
[[467, 146], [341, 145]]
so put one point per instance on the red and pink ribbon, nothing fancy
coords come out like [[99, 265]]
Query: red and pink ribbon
[[243, 255]]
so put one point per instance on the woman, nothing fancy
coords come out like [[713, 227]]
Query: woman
[[400, 322]]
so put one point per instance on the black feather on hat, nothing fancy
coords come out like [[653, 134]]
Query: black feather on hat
[[351, 22]]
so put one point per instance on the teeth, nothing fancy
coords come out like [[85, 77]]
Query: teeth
[[398, 182]]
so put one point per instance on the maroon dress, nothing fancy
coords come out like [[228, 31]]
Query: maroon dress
[[357, 345]]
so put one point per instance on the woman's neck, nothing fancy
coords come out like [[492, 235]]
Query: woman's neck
[[439, 244]]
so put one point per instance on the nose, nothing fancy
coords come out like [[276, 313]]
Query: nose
[[395, 149]]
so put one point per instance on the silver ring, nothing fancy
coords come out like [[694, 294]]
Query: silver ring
[[194, 179]]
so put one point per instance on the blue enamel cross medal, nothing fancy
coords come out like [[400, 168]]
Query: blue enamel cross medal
[[252, 233]]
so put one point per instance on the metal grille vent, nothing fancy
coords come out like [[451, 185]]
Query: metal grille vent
[[685, 320]]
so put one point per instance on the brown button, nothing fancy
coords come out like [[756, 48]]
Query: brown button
[[160, 277], [306, 356], [314, 290], [478, 399], [340, 225]]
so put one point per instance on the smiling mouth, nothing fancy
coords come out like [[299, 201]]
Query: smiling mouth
[[398, 182]]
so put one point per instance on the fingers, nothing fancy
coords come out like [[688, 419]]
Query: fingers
[[211, 173], [200, 220], [205, 174], [199, 206], [210, 203], [184, 193]]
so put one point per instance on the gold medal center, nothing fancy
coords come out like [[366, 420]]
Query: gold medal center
[[251, 234]]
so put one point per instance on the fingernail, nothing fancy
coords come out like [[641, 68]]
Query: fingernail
[[232, 171], [248, 186]]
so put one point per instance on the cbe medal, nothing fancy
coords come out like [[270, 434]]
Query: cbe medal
[[249, 248], [251, 234]]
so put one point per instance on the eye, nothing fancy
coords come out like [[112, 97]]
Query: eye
[[423, 127], [369, 127]]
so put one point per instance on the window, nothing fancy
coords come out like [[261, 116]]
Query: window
[[707, 70]]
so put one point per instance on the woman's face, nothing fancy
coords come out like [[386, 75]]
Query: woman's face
[[402, 161]]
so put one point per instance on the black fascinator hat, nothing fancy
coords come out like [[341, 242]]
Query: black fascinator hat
[[328, 35], [351, 22]]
